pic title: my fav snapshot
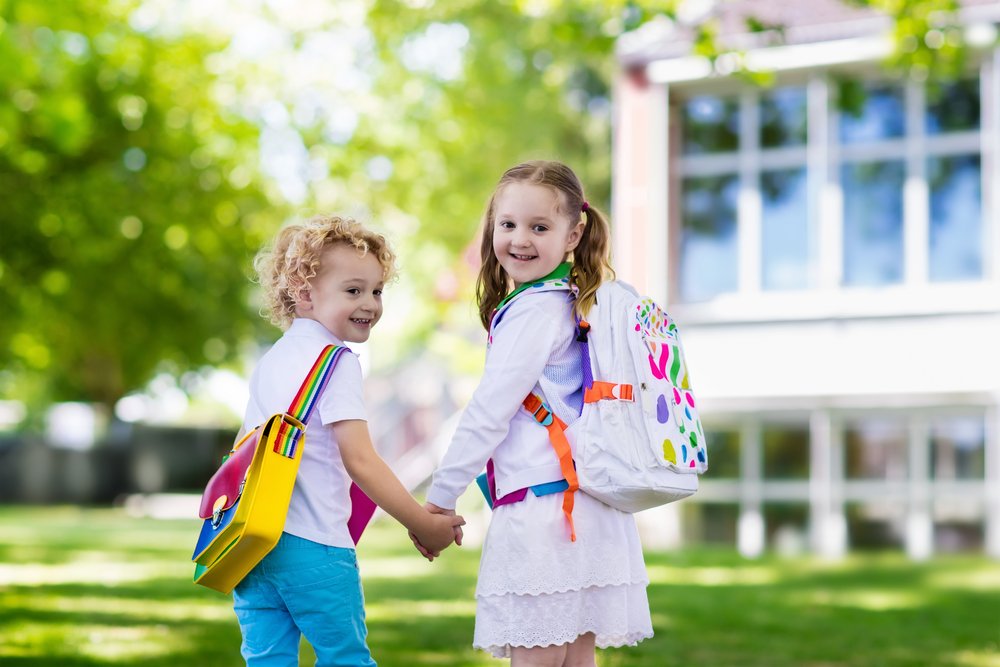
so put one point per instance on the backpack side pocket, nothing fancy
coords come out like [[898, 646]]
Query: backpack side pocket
[[675, 432]]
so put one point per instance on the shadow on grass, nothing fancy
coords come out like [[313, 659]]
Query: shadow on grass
[[710, 608], [870, 610]]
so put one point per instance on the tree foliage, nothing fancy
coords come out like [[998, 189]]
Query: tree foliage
[[131, 205], [129, 153], [470, 89]]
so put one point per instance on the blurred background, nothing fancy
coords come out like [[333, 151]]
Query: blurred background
[[808, 187]]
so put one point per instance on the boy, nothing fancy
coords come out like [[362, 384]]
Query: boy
[[323, 283]]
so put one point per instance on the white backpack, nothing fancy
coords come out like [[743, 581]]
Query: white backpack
[[638, 442]]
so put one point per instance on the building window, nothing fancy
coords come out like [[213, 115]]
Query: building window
[[783, 118], [879, 113], [785, 237], [708, 246], [756, 150], [711, 125], [958, 536], [724, 454], [709, 195], [873, 222], [957, 449], [786, 452], [956, 249], [713, 523], [953, 108], [786, 527], [876, 450], [875, 525]]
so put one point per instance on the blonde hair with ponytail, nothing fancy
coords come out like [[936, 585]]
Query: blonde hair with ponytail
[[591, 258]]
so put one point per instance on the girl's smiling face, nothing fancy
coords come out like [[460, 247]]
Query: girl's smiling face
[[532, 233]]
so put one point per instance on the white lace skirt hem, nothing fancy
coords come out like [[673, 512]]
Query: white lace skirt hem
[[538, 588], [617, 615], [528, 551]]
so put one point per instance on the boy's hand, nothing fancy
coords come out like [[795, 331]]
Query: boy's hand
[[437, 533], [424, 551], [421, 548]]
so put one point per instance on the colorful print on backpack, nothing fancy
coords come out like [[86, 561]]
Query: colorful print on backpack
[[677, 424], [638, 441]]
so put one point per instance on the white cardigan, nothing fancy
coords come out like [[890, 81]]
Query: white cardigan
[[534, 349]]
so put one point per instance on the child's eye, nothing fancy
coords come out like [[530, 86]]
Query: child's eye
[[540, 228], [506, 224], [377, 292], [353, 290]]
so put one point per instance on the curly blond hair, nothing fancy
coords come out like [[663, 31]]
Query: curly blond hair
[[285, 267]]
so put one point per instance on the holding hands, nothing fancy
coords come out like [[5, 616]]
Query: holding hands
[[442, 527]]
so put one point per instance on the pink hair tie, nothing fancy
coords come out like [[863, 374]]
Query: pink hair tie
[[586, 205]]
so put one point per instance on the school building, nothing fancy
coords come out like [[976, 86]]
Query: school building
[[830, 247]]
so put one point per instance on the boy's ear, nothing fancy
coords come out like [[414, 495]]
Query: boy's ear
[[303, 298]]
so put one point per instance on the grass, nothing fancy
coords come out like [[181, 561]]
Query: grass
[[87, 587]]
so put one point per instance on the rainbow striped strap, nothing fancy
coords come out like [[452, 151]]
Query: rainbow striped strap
[[305, 400]]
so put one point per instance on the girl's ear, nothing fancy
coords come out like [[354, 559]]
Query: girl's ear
[[575, 234]]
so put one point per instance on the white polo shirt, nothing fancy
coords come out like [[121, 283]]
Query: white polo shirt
[[320, 504]]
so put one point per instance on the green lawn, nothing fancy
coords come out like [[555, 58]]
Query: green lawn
[[94, 587]]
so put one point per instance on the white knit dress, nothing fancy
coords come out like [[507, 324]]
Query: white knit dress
[[536, 587]]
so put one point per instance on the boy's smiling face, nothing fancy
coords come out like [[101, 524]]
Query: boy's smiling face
[[345, 296]]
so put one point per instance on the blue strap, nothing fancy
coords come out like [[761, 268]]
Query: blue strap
[[549, 488]]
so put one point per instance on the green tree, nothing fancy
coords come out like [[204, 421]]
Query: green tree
[[466, 90], [129, 151], [131, 203]]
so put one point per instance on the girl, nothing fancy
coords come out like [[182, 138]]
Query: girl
[[550, 587]]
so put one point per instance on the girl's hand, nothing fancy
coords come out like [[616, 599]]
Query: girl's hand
[[434, 509]]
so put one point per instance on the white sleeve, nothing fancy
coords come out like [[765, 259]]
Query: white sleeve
[[252, 417], [522, 346], [343, 398]]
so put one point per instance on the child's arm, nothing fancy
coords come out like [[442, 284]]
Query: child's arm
[[370, 472], [522, 345]]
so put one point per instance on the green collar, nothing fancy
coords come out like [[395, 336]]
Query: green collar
[[562, 271]]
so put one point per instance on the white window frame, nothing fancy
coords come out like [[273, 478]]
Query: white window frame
[[822, 157]]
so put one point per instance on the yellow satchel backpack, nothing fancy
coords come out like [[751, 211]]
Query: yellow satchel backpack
[[244, 506]]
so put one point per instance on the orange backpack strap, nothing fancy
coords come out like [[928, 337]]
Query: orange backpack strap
[[557, 436], [599, 391]]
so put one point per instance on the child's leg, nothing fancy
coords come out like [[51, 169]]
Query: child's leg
[[538, 656], [582, 652], [579, 653], [270, 637], [325, 599]]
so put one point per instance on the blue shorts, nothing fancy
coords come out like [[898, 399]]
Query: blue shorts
[[303, 588]]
